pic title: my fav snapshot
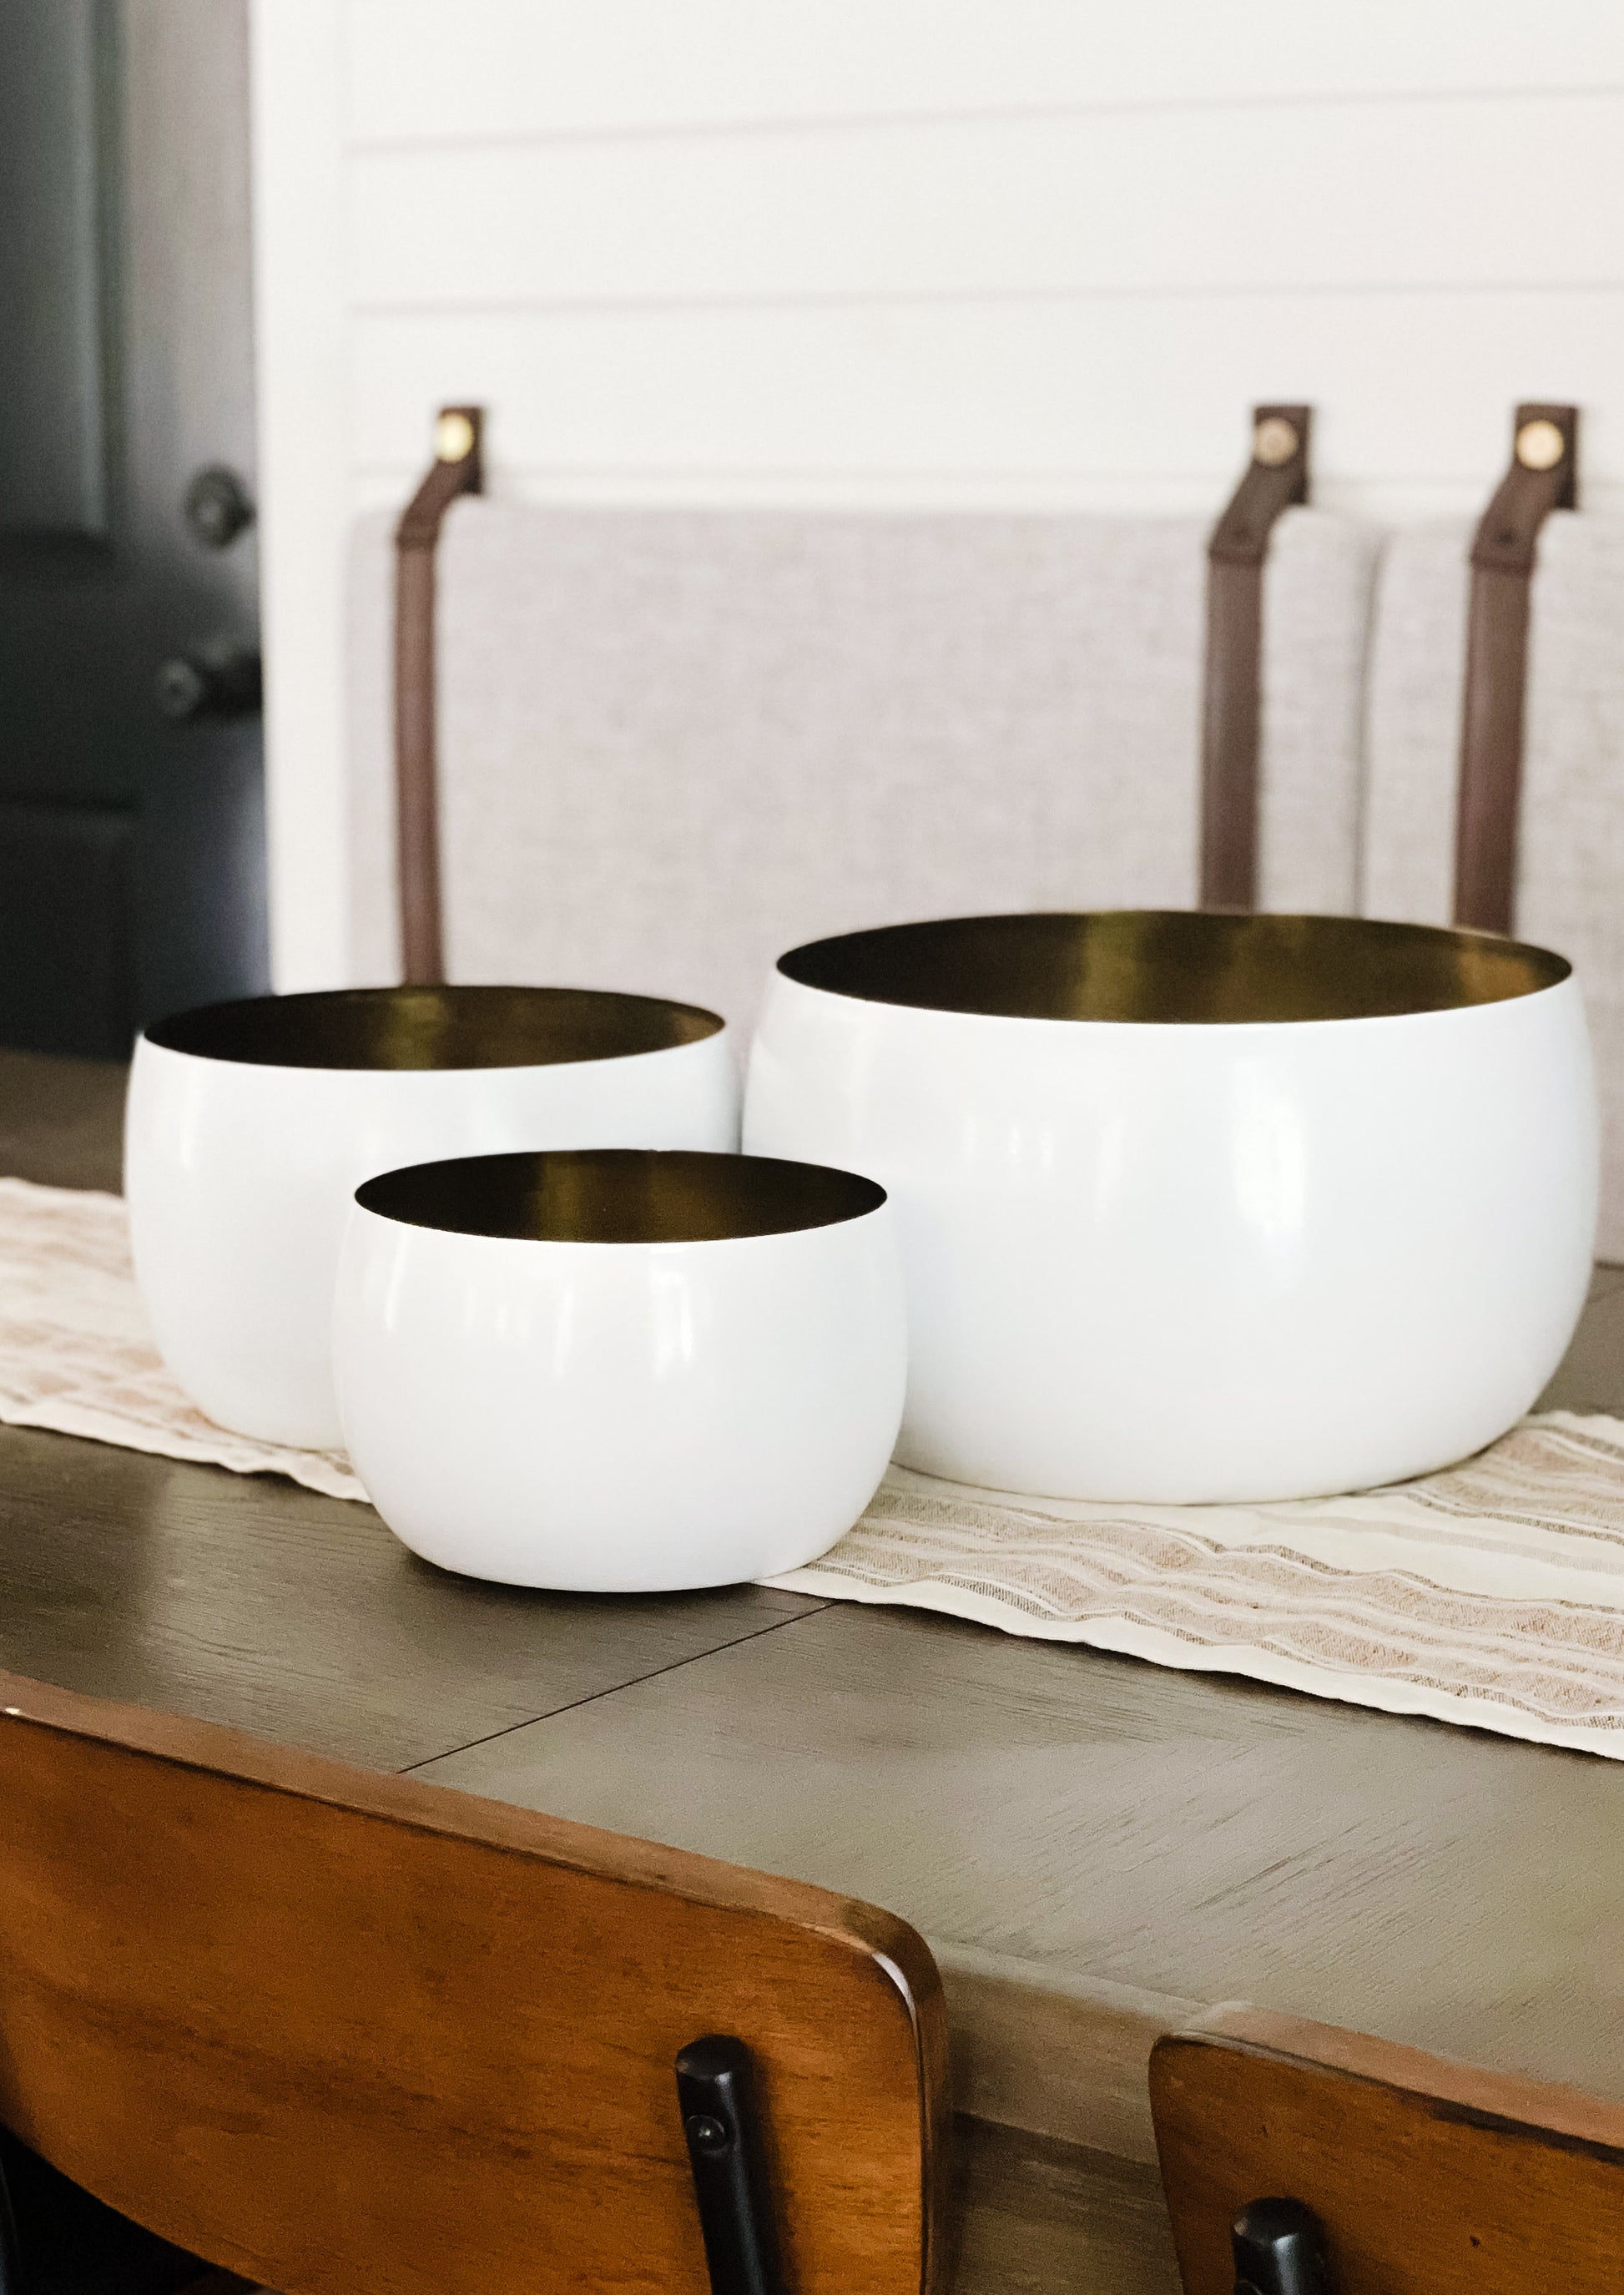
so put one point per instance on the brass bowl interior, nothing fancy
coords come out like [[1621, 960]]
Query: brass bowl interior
[[1174, 966], [619, 1194], [470, 1027]]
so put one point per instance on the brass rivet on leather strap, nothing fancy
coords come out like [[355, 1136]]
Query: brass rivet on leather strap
[[1274, 441], [453, 438], [1541, 446]]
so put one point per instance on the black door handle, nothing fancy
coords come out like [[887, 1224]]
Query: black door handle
[[218, 506], [213, 682]]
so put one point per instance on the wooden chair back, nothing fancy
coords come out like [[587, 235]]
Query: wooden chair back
[[1424, 2177], [339, 2032]]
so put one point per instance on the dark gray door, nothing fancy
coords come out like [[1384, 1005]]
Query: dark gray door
[[132, 837]]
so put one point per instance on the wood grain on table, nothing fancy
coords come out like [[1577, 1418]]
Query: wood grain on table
[[1093, 1817], [61, 1121], [244, 1598]]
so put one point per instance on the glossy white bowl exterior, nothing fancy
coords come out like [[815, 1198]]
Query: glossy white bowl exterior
[[620, 1418], [239, 1178], [1174, 1263]]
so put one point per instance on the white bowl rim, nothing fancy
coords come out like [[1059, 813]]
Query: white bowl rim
[[1494, 970], [437, 1030], [626, 1198]]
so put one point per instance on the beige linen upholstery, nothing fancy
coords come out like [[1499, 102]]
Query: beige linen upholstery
[[1317, 595], [1571, 845], [1418, 675], [674, 743]]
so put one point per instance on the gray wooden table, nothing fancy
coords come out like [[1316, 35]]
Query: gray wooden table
[[1094, 1847]]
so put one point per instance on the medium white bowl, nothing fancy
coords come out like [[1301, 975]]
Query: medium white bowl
[[251, 1125], [618, 1372], [1197, 1206]]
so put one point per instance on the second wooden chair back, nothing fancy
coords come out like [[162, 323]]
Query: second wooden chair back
[[1301, 2159], [339, 2032]]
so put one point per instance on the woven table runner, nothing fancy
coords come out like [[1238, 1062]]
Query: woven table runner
[[1491, 1594], [76, 1355]]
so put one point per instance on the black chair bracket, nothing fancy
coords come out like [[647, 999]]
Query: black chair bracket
[[1279, 2249], [721, 2123]]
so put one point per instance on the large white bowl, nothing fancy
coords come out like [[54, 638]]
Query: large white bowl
[[1200, 1207], [620, 1373], [251, 1125]]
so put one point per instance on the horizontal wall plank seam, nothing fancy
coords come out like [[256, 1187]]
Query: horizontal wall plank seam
[[521, 307], [969, 116]]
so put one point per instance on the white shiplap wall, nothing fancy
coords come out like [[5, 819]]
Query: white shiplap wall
[[1012, 252]]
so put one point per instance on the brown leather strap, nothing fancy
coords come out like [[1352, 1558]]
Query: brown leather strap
[[1540, 479], [458, 468], [1276, 477]]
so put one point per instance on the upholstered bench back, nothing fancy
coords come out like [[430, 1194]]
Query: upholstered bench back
[[672, 744]]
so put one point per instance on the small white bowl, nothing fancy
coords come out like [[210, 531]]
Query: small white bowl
[[251, 1125], [620, 1372]]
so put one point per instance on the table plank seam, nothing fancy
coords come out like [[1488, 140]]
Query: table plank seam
[[594, 1696]]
